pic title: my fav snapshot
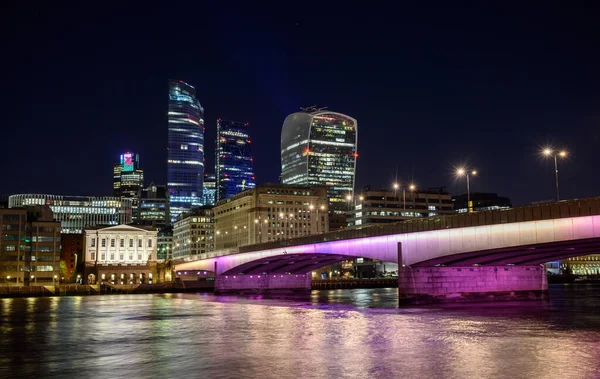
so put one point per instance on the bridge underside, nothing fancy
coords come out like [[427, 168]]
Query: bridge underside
[[526, 255], [287, 264]]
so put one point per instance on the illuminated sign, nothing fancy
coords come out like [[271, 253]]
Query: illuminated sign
[[127, 161]]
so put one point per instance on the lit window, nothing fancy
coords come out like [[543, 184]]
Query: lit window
[[103, 242], [112, 242], [93, 255]]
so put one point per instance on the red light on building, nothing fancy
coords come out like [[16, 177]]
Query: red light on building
[[355, 155]]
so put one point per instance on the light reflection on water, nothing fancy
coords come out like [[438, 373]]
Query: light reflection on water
[[329, 334]]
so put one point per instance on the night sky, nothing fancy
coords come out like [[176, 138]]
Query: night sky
[[431, 88]]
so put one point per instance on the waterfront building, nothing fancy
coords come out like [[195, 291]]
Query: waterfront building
[[209, 194], [78, 212], [71, 253], [194, 233], [384, 206], [165, 244], [319, 148], [185, 151], [481, 201], [270, 212], [233, 159], [120, 254], [581, 266], [153, 207], [29, 246]]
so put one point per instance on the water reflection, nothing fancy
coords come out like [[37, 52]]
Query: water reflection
[[339, 333]]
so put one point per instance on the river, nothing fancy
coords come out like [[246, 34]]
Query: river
[[331, 334]]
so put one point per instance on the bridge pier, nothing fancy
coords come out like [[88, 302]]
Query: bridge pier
[[265, 283], [426, 285]]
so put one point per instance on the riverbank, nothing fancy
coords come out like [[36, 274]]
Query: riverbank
[[172, 287]]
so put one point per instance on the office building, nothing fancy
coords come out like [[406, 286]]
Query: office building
[[318, 148], [185, 151], [153, 206], [194, 232], [128, 179], [210, 190], [270, 212], [121, 254], [71, 253], [581, 266], [165, 244], [481, 201], [233, 159], [384, 206], [78, 212], [29, 246]]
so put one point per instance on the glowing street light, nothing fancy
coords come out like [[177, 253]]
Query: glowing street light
[[548, 152], [461, 171]]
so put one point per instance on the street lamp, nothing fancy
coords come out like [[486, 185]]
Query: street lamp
[[465, 172], [547, 152]]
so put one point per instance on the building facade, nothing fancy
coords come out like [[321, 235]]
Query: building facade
[[78, 212], [270, 212], [210, 190], [185, 151], [29, 246], [128, 179], [319, 148], [165, 244], [153, 206], [233, 159], [194, 233], [121, 254], [382, 207], [481, 201]]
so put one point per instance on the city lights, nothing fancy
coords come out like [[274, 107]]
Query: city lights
[[550, 152]]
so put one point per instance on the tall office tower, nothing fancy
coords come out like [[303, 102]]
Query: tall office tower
[[185, 149], [209, 193], [318, 147], [128, 179], [233, 163], [153, 207]]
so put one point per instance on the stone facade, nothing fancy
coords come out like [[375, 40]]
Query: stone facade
[[121, 254], [263, 283], [484, 283]]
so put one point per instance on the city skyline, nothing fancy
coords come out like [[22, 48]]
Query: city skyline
[[493, 104]]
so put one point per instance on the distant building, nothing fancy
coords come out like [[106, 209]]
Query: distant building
[[582, 266], [270, 212], [482, 201], [233, 163], [3, 201], [128, 179], [194, 232], [319, 148], [29, 247], [78, 212], [121, 254], [185, 152], [165, 244], [153, 207], [210, 190], [383, 206]]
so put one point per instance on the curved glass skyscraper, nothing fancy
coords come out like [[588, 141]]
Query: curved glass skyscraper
[[318, 148], [234, 168], [185, 149]]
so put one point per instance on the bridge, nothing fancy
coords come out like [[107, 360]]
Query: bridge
[[474, 256]]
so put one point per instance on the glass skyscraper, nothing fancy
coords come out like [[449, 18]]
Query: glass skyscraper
[[318, 148], [185, 160], [233, 163], [128, 179]]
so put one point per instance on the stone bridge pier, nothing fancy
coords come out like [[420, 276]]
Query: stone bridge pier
[[271, 283], [426, 285]]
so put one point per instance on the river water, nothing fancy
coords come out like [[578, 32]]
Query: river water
[[331, 334]]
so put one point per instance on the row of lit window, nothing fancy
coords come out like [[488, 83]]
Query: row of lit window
[[121, 242]]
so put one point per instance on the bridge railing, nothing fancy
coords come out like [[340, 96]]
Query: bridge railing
[[546, 211]]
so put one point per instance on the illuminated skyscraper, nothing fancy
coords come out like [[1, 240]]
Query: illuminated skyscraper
[[318, 147], [210, 189], [128, 179], [185, 160], [234, 168]]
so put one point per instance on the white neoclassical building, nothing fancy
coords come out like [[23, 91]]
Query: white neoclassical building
[[120, 254]]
